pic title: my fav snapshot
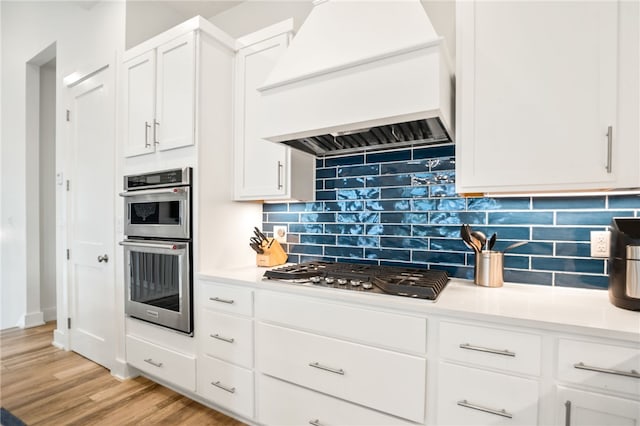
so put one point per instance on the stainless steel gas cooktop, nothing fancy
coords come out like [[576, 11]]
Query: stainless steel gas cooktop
[[398, 281]]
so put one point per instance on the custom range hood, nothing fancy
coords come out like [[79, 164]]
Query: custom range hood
[[360, 75]]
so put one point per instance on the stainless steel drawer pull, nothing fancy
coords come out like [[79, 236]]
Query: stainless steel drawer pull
[[223, 387], [488, 350], [339, 371], [152, 362], [315, 422], [224, 339], [632, 373], [567, 413], [217, 299], [467, 404]]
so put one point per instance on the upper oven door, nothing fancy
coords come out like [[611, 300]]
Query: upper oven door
[[159, 213]]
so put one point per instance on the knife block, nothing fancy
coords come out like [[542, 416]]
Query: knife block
[[273, 255]]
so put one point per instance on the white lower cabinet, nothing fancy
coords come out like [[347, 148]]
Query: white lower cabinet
[[579, 408], [469, 396], [284, 404], [385, 380], [170, 366], [226, 384]]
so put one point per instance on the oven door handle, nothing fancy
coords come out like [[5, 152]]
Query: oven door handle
[[146, 244], [171, 190]]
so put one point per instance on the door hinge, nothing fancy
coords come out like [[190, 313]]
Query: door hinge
[[69, 323], [68, 184], [68, 254], [68, 115]]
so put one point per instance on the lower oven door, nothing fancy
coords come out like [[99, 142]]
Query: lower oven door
[[158, 282]]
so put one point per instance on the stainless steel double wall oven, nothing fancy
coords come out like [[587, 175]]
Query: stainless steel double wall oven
[[158, 248]]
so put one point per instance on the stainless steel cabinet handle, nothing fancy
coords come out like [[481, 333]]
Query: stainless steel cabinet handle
[[315, 422], [609, 148], [152, 362], [224, 339], [155, 131], [567, 413], [103, 258], [217, 299], [146, 134], [223, 387], [325, 368], [280, 167], [467, 404], [146, 244], [178, 191], [632, 373], [488, 350]]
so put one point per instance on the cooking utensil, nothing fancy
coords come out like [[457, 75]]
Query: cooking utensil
[[480, 237], [514, 245], [256, 248], [260, 235], [492, 241], [465, 234]]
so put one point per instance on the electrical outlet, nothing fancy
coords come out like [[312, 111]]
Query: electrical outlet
[[600, 241], [280, 233]]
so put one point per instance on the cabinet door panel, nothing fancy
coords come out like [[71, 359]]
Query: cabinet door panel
[[175, 106], [262, 165], [577, 408], [539, 96], [139, 100]]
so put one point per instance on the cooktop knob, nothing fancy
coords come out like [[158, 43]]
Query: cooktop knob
[[329, 280], [342, 281], [355, 283], [315, 279], [367, 285]]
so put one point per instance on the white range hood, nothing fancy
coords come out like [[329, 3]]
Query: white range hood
[[360, 75]]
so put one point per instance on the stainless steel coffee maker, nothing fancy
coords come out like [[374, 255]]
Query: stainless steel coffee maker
[[624, 263]]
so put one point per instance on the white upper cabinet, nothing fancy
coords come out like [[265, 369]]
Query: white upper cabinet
[[159, 90], [264, 170], [547, 96]]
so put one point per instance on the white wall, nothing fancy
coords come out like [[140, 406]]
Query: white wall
[[47, 184], [141, 27], [85, 36]]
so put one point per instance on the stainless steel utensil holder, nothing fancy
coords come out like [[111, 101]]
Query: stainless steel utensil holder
[[489, 268]]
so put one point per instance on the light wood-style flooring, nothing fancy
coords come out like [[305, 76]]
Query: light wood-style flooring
[[43, 385]]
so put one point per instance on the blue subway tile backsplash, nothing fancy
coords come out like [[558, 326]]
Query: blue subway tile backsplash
[[399, 207]]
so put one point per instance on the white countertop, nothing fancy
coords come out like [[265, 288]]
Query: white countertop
[[556, 308]]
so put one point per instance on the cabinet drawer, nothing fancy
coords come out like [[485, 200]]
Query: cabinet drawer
[[467, 396], [400, 332], [226, 385], [227, 337], [491, 347], [377, 378], [599, 365], [225, 298], [165, 364], [284, 404]]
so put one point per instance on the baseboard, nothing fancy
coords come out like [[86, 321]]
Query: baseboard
[[50, 314], [60, 339], [33, 319], [122, 371]]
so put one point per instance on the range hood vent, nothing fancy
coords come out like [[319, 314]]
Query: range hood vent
[[412, 133], [358, 76]]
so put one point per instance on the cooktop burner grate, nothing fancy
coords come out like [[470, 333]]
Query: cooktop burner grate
[[401, 281]]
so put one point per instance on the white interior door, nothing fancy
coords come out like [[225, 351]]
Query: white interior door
[[91, 217]]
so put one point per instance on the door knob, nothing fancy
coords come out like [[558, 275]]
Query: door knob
[[104, 258]]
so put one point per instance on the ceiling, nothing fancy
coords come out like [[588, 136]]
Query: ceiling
[[206, 8]]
